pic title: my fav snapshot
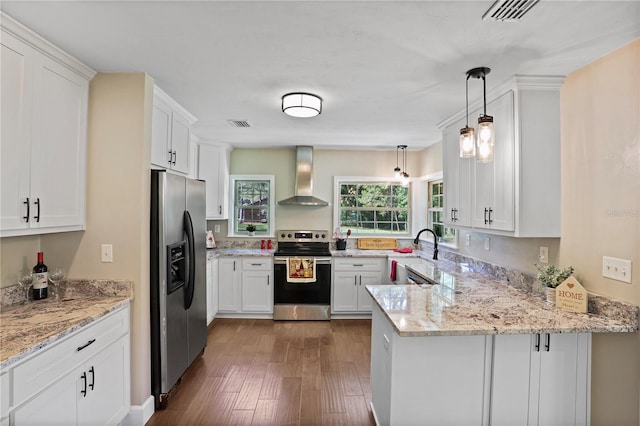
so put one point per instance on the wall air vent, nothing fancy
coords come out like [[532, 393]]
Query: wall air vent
[[509, 10], [239, 123]]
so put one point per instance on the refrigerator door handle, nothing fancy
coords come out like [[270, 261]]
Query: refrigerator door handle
[[191, 261]]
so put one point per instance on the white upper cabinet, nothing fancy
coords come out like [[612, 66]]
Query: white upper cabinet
[[170, 134], [518, 193], [213, 168], [44, 135]]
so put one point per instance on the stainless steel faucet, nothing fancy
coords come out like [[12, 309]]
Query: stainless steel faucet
[[435, 241]]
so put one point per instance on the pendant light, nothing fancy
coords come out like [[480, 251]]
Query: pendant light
[[404, 176], [486, 131], [397, 172], [467, 134]]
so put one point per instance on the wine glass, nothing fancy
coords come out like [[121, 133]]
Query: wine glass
[[56, 276], [25, 280]]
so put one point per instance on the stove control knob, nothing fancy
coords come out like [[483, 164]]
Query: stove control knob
[[289, 235], [324, 236], [282, 235], [317, 236]]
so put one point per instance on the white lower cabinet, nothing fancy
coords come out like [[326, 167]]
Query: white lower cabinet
[[83, 379], [434, 380], [519, 379], [212, 287], [541, 379], [245, 285], [350, 278]]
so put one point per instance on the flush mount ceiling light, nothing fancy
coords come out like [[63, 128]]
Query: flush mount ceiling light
[[301, 105], [486, 131]]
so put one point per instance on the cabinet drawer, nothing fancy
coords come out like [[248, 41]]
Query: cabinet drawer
[[358, 264], [257, 264], [54, 362]]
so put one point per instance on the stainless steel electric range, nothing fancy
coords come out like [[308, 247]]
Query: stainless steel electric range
[[302, 276]]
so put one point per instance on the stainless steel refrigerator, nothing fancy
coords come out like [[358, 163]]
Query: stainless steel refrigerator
[[178, 279]]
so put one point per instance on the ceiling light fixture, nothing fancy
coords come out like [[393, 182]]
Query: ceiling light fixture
[[467, 134], [402, 175], [486, 131], [397, 172], [301, 105]]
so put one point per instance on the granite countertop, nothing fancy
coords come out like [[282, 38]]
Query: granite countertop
[[249, 252], [377, 253], [31, 326], [468, 303]]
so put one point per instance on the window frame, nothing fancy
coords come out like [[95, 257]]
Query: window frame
[[232, 221], [340, 180], [421, 200]]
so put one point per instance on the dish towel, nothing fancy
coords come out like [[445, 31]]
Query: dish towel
[[394, 264], [301, 270]]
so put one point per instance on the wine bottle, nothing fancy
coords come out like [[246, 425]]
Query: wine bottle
[[40, 278]]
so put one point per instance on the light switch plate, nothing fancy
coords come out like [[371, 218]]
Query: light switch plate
[[487, 243], [216, 228], [616, 269], [543, 256], [106, 251]]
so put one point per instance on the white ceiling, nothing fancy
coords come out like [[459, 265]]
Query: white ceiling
[[388, 71]]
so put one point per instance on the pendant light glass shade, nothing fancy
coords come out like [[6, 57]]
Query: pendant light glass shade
[[301, 105], [467, 142], [486, 135]]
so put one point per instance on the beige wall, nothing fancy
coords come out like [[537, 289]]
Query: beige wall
[[601, 211], [119, 142]]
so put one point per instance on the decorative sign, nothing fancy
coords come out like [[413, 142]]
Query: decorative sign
[[377, 243], [571, 296]]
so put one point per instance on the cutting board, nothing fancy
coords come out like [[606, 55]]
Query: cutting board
[[377, 243]]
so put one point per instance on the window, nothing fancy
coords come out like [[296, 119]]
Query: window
[[252, 204], [372, 208], [435, 213]]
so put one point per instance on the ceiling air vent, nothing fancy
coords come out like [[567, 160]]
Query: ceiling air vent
[[509, 10], [239, 123]]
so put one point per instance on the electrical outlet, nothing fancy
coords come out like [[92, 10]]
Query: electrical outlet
[[487, 243], [616, 269], [216, 228], [467, 240], [543, 256], [106, 251]]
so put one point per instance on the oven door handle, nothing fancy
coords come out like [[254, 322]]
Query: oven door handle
[[319, 260]]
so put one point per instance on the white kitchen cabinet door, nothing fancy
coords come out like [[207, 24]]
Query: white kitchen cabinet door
[[180, 136], [345, 292], [107, 399], [365, 301], [212, 287], [55, 405], [560, 387], [541, 379], [456, 178], [494, 201], [170, 134], [161, 154], [229, 284], [58, 148], [44, 137], [213, 168], [257, 291], [17, 95]]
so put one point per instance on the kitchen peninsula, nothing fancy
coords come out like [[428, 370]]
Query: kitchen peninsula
[[472, 350]]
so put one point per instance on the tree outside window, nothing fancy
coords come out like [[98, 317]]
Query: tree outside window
[[252, 204]]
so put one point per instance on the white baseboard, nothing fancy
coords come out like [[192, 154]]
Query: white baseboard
[[139, 415]]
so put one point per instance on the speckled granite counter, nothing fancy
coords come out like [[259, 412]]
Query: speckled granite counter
[[248, 252], [467, 303], [377, 253], [26, 328]]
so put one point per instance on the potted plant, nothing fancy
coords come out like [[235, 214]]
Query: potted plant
[[552, 277], [341, 243], [251, 229]]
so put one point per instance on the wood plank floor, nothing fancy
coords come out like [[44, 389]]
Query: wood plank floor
[[264, 372]]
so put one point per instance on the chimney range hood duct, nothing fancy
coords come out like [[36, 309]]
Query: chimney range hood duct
[[304, 181]]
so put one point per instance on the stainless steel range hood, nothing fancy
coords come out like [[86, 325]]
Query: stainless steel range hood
[[304, 180]]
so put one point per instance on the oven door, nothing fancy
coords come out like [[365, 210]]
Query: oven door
[[297, 293]]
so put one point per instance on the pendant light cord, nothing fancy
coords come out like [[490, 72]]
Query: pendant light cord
[[484, 94], [467, 99]]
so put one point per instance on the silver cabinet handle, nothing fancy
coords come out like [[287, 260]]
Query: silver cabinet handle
[[547, 345], [355, 280], [537, 346]]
